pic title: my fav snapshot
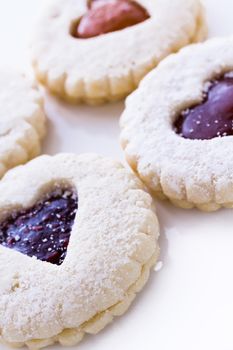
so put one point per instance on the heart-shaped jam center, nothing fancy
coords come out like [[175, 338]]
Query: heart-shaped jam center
[[42, 231], [105, 16], [213, 117]]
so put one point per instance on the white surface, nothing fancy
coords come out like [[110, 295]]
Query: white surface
[[188, 304]]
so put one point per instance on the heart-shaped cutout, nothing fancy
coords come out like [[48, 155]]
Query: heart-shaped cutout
[[106, 16], [213, 117], [42, 231]]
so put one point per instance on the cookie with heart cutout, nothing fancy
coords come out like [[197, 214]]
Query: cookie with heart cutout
[[177, 128], [22, 120], [96, 51], [77, 238]]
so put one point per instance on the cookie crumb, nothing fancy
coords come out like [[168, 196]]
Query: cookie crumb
[[158, 266]]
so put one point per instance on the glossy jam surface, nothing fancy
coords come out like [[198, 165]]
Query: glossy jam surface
[[42, 231], [105, 16], [213, 117]]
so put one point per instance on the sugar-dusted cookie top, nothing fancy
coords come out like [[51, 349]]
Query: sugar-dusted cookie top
[[22, 120], [99, 50], [77, 238]]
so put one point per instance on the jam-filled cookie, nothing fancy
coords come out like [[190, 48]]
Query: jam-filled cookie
[[22, 120], [99, 50], [178, 127], [77, 240]]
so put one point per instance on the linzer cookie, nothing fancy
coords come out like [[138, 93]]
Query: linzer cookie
[[77, 240], [22, 120], [96, 51], [177, 129]]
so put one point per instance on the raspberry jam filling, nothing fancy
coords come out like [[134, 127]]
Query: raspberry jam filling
[[42, 231], [105, 16], [213, 117]]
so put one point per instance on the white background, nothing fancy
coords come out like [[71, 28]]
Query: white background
[[189, 303]]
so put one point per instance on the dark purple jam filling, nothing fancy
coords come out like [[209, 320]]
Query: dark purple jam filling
[[213, 117], [42, 231]]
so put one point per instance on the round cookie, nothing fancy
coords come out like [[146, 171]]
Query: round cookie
[[177, 127], [96, 51], [101, 212], [22, 120]]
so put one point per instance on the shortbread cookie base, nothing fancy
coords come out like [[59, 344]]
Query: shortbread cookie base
[[71, 337], [180, 203], [22, 120], [116, 74], [115, 228], [190, 173], [160, 190], [207, 207]]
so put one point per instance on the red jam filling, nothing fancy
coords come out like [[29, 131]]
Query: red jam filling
[[105, 16]]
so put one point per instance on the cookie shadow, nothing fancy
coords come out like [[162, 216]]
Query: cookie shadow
[[82, 128]]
